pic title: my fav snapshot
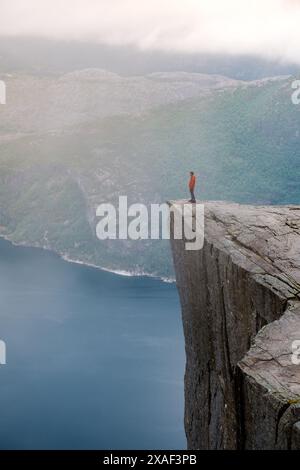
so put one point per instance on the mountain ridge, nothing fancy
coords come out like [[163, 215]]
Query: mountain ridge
[[56, 168]]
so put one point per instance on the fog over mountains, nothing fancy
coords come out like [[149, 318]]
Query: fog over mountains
[[29, 55]]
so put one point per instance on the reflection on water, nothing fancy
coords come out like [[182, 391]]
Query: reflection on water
[[94, 360]]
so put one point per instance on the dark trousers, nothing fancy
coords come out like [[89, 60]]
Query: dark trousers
[[192, 195]]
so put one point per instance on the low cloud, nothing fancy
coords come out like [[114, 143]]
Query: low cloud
[[267, 28]]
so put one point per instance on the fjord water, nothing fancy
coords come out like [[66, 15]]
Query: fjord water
[[94, 360]]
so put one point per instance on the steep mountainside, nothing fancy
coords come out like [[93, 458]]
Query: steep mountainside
[[69, 143]]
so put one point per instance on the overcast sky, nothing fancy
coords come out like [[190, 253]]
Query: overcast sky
[[268, 28]]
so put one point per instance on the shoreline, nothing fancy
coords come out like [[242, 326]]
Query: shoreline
[[68, 259]]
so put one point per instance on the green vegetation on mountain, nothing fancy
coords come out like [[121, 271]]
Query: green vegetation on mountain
[[241, 141]]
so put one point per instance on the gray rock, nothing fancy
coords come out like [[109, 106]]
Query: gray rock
[[240, 298]]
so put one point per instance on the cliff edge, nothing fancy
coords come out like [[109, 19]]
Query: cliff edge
[[240, 298]]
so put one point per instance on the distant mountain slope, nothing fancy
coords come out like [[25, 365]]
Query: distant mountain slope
[[53, 103], [242, 139]]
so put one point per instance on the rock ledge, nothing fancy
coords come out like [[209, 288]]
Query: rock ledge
[[240, 298]]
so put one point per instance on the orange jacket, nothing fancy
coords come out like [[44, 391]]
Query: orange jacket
[[192, 182]]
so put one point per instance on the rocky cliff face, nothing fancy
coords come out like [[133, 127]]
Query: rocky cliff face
[[240, 298]]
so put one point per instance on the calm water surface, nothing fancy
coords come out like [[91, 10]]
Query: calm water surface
[[94, 360]]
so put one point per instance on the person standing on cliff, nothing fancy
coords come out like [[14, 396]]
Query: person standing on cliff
[[192, 184]]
